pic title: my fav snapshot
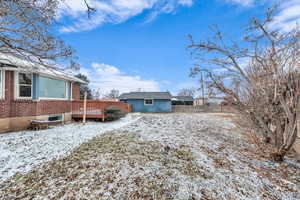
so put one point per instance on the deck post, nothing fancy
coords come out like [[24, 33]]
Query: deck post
[[84, 108]]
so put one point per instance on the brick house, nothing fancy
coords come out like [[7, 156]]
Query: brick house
[[30, 91]]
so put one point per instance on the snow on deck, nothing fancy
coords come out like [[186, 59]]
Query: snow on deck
[[21, 151]]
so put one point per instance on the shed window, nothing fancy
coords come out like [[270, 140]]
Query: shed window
[[52, 88], [24, 85], [148, 101]]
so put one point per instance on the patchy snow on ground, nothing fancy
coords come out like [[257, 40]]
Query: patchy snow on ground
[[237, 171], [161, 156], [21, 151]]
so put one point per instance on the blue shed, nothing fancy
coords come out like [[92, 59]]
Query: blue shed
[[148, 101]]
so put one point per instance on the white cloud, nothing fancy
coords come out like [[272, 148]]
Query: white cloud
[[107, 77], [288, 16], [112, 11], [242, 2], [118, 11], [186, 2], [105, 69]]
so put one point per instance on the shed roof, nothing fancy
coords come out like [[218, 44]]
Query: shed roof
[[182, 98], [19, 64], [146, 95]]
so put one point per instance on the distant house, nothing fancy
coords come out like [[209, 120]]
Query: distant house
[[29, 91], [182, 100], [148, 101]]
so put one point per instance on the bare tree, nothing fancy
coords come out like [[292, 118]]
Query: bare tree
[[89, 9], [96, 93], [113, 94], [187, 92], [25, 31], [84, 88], [259, 77]]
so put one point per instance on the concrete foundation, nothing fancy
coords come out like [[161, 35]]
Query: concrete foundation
[[22, 123], [4, 125]]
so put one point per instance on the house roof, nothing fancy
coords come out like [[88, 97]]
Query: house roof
[[221, 98], [146, 95], [182, 98], [18, 64]]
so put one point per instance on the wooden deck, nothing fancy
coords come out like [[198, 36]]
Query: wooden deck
[[95, 109]]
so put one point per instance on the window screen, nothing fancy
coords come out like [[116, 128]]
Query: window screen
[[25, 84], [52, 88]]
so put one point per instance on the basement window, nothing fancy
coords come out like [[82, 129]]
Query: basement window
[[55, 117], [148, 102]]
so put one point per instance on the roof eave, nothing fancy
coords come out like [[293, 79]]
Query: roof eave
[[16, 68]]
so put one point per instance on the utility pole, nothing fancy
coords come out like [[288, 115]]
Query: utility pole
[[202, 87]]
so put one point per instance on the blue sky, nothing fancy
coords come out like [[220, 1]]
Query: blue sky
[[141, 44]]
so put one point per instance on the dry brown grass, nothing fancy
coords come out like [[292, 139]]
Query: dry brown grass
[[94, 166], [224, 115]]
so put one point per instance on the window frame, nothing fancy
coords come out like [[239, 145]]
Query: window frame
[[71, 91], [2, 84], [18, 85], [66, 90], [146, 104]]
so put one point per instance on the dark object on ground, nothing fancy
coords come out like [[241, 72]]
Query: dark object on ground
[[42, 124], [278, 156], [114, 113]]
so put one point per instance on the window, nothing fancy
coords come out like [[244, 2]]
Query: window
[[52, 88], [1, 84], [148, 101], [71, 91], [24, 85], [58, 117]]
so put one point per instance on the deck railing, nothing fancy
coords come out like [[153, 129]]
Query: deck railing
[[96, 108]]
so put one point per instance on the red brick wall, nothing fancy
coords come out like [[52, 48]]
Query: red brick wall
[[76, 91], [9, 107], [22, 108], [5, 107]]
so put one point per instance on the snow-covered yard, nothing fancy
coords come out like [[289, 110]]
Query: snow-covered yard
[[159, 156], [21, 151]]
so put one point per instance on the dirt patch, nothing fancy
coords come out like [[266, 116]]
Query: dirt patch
[[224, 115]]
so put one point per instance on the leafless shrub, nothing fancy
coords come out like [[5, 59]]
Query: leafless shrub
[[113, 94], [187, 92], [259, 77]]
